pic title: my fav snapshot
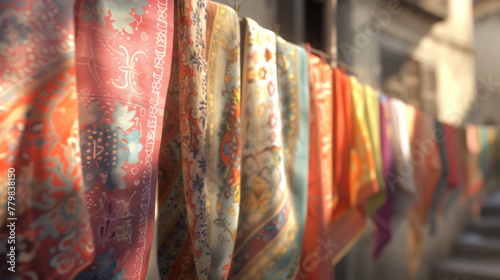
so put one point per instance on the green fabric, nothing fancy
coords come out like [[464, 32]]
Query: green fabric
[[372, 111]]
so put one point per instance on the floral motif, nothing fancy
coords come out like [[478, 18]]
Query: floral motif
[[122, 13]]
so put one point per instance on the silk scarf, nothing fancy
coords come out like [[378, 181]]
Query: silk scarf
[[427, 172], [123, 63], [293, 89], [372, 113], [475, 179], [382, 217], [42, 201], [316, 258], [266, 239], [347, 227], [403, 182], [455, 173], [220, 109]]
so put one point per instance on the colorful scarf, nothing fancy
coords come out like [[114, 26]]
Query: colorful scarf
[[219, 107], [403, 184], [266, 240], [123, 64], [41, 189], [293, 88], [455, 173], [475, 178], [427, 172], [320, 193], [372, 113], [347, 227], [442, 183], [382, 217]]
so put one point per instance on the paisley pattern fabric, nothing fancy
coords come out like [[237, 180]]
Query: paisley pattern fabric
[[320, 193], [220, 103], [267, 226], [223, 160], [40, 144], [293, 88], [123, 61], [191, 24], [175, 257]]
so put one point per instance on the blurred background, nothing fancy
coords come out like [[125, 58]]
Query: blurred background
[[438, 55]]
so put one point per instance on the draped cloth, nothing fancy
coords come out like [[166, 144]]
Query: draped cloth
[[402, 181], [474, 175], [39, 144], [442, 183], [123, 68], [382, 217], [219, 107], [316, 252], [266, 239], [427, 171], [348, 225], [293, 89], [456, 170], [372, 112]]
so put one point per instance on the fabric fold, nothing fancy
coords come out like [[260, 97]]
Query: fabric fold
[[293, 89], [123, 69], [267, 225], [42, 198], [320, 193], [382, 217]]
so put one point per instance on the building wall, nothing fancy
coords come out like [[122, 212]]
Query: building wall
[[367, 26], [487, 21]]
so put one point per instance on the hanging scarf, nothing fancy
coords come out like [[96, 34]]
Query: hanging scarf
[[293, 89], [220, 105], [347, 227], [475, 179], [372, 114], [41, 181], [483, 154], [403, 184], [382, 217], [427, 171], [123, 64], [440, 188], [320, 192], [342, 141], [453, 162], [267, 225]]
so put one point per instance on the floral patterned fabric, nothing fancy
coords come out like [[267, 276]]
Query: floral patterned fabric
[[293, 88], [219, 107], [267, 225], [40, 144], [223, 161], [123, 57]]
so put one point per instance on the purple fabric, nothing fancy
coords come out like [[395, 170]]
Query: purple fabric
[[382, 217]]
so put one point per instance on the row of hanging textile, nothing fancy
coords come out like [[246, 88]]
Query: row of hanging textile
[[263, 161]]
